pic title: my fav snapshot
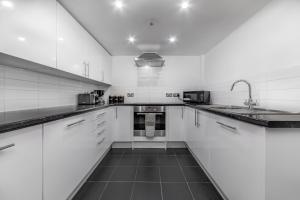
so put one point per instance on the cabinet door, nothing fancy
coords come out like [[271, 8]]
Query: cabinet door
[[237, 159], [21, 164], [123, 126], [66, 161], [191, 128], [175, 123], [71, 38], [94, 56], [28, 30], [106, 67], [202, 145]]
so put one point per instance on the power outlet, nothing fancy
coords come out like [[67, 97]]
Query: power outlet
[[169, 94], [130, 94]]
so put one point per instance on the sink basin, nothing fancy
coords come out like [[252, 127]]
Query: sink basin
[[245, 110]]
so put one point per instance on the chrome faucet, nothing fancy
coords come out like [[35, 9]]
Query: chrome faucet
[[249, 102]]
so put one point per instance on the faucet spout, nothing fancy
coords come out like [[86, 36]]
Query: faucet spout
[[249, 102]]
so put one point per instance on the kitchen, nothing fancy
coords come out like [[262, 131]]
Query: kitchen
[[160, 99]]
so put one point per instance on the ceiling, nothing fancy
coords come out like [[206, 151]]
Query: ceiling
[[198, 29]]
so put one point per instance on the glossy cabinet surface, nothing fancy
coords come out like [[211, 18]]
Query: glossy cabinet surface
[[72, 147], [123, 123], [28, 30], [21, 164], [175, 121]]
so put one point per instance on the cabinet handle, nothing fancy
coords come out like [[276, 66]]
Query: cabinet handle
[[101, 141], [101, 132], [198, 124], [101, 124], [182, 110], [227, 126], [116, 112], [88, 73], [100, 115], [195, 118], [75, 123], [7, 147]]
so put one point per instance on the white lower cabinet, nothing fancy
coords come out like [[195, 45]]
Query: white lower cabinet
[[175, 122], [123, 123], [232, 152], [72, 147], [21, 164]]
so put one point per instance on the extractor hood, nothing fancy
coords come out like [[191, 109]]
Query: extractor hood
[[149, 59]]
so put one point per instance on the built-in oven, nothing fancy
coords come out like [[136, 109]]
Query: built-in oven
[[149, 121]]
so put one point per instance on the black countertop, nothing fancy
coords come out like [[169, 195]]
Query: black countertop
[[14, 120]]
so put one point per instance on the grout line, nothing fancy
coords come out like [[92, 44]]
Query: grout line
[[136, 171], [161, 189], [186, 182], [106, 185]]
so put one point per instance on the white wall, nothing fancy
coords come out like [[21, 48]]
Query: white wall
[[151, 84], [266, 51], [21, 89]]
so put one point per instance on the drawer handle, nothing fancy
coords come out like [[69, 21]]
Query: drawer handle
[[101, 124], [227, 126], [75, 123], [7, 147], [100, 115], [101, 132], [101, 141]]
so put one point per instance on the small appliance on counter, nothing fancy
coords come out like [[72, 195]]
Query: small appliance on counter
[[197, 97], [87, 99], [92, 98], [116, 99]]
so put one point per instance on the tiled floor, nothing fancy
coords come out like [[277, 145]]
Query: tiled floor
[[148, 174]]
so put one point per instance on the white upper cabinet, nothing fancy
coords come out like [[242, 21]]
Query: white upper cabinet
[[71, 39], [28, 30], [78, 52]]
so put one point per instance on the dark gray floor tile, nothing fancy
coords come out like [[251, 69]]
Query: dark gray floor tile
[[204, 191], [167, 161], [117, 191], [171, 174], [129, 160], [147, 191], [116, 151], [195, 174], [90, 191], [124, 173], [148, 160], [182, 151], [187, 160], [111, 160], [101, 174], [176, 191], [148, 174]]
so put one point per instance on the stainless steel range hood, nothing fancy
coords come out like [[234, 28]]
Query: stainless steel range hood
[[149, 59]]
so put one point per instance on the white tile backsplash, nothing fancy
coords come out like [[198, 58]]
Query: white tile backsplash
[[22, 89]]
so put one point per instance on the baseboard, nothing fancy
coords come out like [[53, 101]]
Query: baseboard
[[171, 144]]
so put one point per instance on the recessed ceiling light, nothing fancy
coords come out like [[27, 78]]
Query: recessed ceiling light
[[185, 5], [60, 39], [131, 39], [22, 39], [172, 39], [7, 4], [118, 4]]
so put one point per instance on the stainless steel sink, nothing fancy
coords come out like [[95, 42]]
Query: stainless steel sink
[[245, 111]]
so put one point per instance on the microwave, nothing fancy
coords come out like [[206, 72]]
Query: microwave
[[197, 97]]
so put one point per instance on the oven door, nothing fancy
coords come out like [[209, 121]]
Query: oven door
[[140, 124]]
